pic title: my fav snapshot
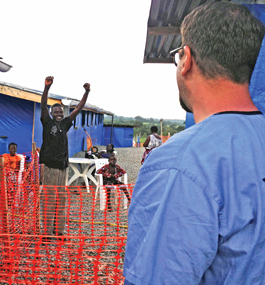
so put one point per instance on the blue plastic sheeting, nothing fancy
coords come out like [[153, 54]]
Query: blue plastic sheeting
[[258, 10], [107, 136], [93, 124], [257, 83], [118, 137], [189, 120], [121, 137], [16, 120], [38, 126], [3, 145]]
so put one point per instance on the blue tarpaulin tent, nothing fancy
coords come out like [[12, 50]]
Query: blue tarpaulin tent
[[122, 135]]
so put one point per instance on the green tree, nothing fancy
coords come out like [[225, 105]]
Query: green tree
[[139, 119]]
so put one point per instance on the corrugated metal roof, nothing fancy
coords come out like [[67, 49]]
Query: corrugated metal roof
[[89, 107], [121, 125], [71, 102], [163, 29]]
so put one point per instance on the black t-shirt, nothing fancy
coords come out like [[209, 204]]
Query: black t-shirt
[[54, 149]]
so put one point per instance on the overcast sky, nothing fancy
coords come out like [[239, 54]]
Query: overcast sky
[[100, 42]]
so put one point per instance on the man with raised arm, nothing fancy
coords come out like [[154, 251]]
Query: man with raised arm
[[54, 156], [197, 214]]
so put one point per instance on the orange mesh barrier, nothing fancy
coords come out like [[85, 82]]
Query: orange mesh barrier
[[20, 198], [165, 138], [90, 252]]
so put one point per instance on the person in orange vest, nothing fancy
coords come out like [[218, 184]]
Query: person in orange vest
[[11, 159], [12, 165]]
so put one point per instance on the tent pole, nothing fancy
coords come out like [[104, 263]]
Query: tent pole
[[33, 125], [111, 129]]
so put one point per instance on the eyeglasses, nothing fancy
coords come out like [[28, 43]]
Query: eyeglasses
[[175, 53]]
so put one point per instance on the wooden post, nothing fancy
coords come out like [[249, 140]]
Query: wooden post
[[3, 197], [35, 163], [4, 216], [36, 186], [34, 148], [33, 125], [161, 123]]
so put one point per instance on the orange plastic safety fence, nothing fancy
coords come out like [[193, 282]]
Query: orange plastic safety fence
[[91, 251], [77, 260], [165, 138], [20, 198]]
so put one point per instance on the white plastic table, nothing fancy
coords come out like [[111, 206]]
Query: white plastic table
[[86, 174]]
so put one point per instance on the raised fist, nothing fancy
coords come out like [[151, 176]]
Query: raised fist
[[87, 86], [49, 80]]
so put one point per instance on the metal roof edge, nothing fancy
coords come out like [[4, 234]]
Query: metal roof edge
[[73, 102], [120, 125], [34, 91], [89, 107]]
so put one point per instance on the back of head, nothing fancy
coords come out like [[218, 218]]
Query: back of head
[[225, 39], [154, 129]]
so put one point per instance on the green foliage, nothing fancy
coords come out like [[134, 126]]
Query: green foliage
[[142, 125]]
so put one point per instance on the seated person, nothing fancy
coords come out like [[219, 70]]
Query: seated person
[[91, 152], [12, 165], [94, 150], [102, 154], [111, 172], [108, 152]]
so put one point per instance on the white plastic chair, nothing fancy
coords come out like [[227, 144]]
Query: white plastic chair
[[19, 179], [21, 167], [102, 194], [100, 163]]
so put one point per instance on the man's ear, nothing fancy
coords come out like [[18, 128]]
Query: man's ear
[[186, 61]]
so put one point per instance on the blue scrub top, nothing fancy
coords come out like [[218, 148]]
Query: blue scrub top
[[197, 214]]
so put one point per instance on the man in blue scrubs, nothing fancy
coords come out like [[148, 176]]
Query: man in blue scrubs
[[197, 214]]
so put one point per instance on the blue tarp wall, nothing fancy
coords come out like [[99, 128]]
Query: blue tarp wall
[[16, 122], [92, 123], [257, 83], [121, 137]]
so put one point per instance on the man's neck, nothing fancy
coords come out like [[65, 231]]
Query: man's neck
[[220, 96]]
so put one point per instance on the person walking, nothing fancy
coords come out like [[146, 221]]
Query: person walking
[[151, 142]]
